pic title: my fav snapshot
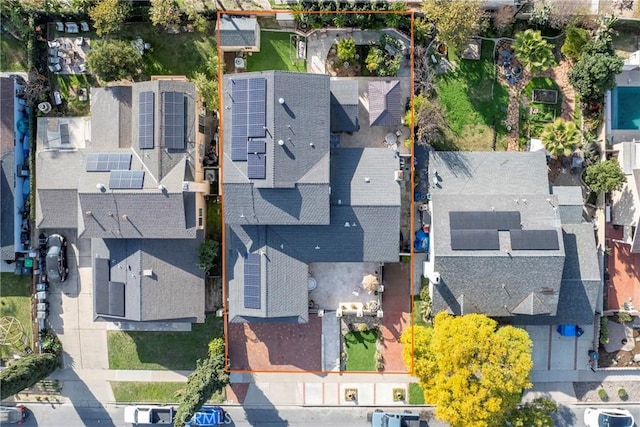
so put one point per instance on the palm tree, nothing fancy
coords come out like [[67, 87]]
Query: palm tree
[[561, 138], [534, 52]]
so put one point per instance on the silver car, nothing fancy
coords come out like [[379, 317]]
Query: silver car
[[56, 258]]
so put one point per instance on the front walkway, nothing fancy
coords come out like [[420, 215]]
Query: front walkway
[[396, 304]]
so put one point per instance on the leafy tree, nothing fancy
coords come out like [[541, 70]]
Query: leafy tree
[[594, 75], [208, 377], [108, 16], [536, 413], [429, 120], [605, 177], [540, 14], [112, 60], [346, 49], [534, 52], [191, 10], [575, 41], [415, 345], [456, 20], [207, 254], [207, 88], [561, 138], [164, 13], [471, 370], [504, 18], [26, 372]]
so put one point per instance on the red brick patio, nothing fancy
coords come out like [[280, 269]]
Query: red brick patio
[[624, 272], [396, 304], [275, 347]]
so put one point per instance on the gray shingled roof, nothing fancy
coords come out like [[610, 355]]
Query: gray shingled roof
[[237, 31], [571, 203], [111, 113], [302, 122], [385, 105], [7, 168], [344, 105], [156, 297], [57, 208]]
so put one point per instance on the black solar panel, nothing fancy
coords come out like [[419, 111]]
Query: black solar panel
[[485, 220], [239, 143], [126, 179], [259, 147], [64, 133], [534, 240], [475, 240], [257, 166], [105, 162], [146, 114], [173, 120], [256, 108], [252, 281]]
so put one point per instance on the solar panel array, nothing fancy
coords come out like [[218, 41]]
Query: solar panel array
[[105, 162], [485, 220], [249, 117], [173, 120], [126, 179], [256, 146], [252, 281], [475, 240], [146, 107], [534, 240], [257, 166], [64, 133]]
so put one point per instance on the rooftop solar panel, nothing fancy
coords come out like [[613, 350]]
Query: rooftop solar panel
[[257, 166], [256, 147], [474, 240], [534, 240], [105, 162], [126, 179], [146, 113], [485, 220], [239, 143], [256, 108], [173, 120], [252, 281]]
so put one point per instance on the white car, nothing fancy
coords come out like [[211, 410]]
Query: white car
[[614, 417]]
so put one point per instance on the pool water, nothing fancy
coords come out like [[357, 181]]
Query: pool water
[[626, 108]]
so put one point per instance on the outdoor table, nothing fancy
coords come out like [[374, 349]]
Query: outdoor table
[[391, 138]]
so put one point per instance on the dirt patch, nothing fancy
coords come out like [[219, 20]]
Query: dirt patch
[[620, 358]]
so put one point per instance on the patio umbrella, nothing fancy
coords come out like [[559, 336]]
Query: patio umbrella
[[370, 283]]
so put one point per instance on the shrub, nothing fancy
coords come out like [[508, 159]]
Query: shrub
[[362, 327], [604, 330], [624, 317], [574, 42], [346, 49], [622, 394], [207, 254], [602, 393], [398, 394], [216, 347]]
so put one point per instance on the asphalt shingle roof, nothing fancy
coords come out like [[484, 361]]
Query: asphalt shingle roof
[[344, 105], [237, 30], [385, 105]]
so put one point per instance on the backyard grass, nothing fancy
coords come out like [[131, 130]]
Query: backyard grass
[[68, 86], [416, 394], [417, 317], [162, 350], [274, 54], [15, 301], [474, 103], [531, 124], [13, 55], [214, 220], [361, 348], [153, 392]]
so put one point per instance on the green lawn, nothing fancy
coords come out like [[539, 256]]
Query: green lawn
[[68, 86], [152, 392], [15, 301], [13, 55], [417, 317], [534, 115], [162, 350], [214, 220], [472, 110], [416, 394], [361, 349], [274, 54]]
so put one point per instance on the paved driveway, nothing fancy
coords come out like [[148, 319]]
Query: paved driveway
[[552, 352]]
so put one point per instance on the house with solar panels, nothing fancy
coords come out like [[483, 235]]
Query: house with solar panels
[[506, 244], [129, 181], [290, 199]]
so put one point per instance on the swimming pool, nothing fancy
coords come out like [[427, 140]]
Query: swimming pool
[[626, 108]]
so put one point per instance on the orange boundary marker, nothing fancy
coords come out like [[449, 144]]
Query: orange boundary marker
[[411, 14]]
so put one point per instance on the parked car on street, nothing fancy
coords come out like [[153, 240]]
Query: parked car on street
[[608, 417], [56, 258], [395, 419], [12, 414], [207, 416], [148, 414]]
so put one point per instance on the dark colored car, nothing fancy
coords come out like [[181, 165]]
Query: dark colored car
[[56, 258], [12, 414]]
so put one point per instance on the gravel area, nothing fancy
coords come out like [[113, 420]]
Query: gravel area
[[588, 392]]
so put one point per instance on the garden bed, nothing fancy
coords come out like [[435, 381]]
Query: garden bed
[[153, 392], [545, 96]]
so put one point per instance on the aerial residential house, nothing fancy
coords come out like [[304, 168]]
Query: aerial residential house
[[290, 199], [625, 209], [238, 33], [506, 245], [128, 179]]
